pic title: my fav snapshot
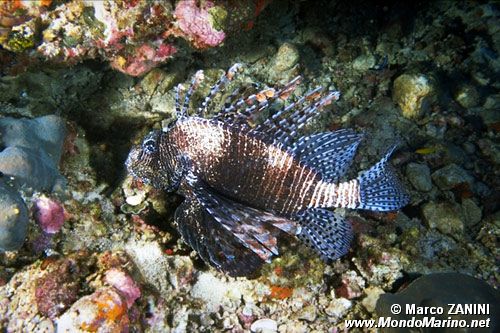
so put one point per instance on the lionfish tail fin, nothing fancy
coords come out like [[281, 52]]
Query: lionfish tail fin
[[380, 189]]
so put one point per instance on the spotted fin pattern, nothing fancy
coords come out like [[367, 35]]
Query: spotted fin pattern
[[380, 189], [330, 153], [325, 232]]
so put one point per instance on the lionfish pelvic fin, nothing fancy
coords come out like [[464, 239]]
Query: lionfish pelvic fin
[[214, 244]]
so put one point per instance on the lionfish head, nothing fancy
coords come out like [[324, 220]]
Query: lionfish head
[[144, 161]]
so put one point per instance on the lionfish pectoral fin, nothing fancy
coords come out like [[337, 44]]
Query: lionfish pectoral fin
[[380, 189], [213, 243], [255, 229], [329, 153], [325, 232]]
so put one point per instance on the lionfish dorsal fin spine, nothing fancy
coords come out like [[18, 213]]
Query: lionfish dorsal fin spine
[[223, 80], [244, 111], [285, 126]]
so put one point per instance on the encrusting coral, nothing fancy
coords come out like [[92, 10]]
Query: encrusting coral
[[133, 35]]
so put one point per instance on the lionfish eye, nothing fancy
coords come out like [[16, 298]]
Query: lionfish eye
[[149, 146]]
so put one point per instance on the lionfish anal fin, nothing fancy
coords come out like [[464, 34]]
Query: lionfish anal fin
[[325, 232]]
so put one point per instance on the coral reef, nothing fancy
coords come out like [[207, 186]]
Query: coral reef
[[124, 284], [117, 262], [49, 214], [13, 13], [58, 288], [134, 36], [102, 311], [49, 293], [202, 24], [39, 293]]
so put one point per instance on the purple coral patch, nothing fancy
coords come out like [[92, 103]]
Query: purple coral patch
[[49, 214], [143, 59], [194, 22]]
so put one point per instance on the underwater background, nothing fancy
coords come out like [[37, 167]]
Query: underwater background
[[86, 247]]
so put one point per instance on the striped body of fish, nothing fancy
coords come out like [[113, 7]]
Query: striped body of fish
[[246, 184]]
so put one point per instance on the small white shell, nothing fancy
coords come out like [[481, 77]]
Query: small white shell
[[265, 325], [136, 199]]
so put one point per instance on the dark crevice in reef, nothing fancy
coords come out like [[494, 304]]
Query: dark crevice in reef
[[110, 148], [358, 17], [109, 136]]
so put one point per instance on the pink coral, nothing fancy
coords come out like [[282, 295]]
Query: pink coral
[[143, 59], [128, 34], [15, 12], [124, 284], [194, 22], [351, 286], [134, 35], [49, 214]]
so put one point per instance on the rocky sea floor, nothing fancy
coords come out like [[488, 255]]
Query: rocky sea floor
[[85, 247]]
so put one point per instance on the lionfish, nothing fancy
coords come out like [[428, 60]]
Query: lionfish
[[245, 184]]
